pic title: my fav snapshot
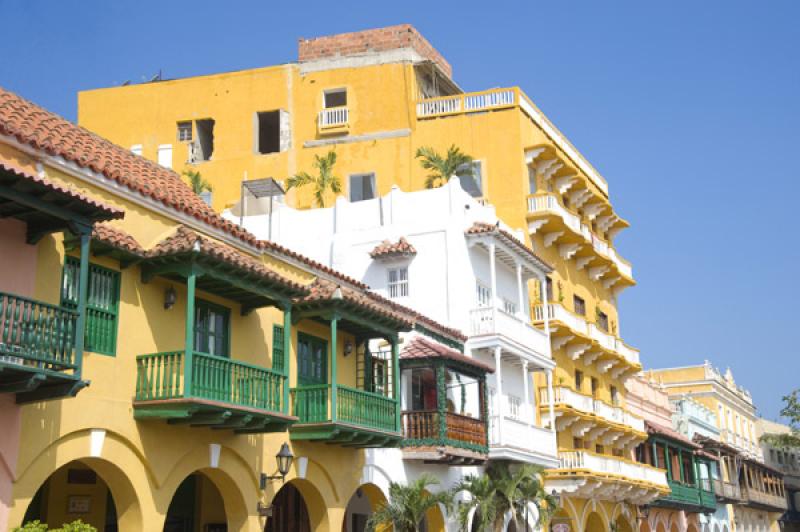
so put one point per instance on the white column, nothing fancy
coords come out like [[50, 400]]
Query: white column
[[493, 282], [549, 374], [526, 415], [520, 296], [500, 402]]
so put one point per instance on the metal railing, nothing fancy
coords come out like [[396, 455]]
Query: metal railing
[[311, 404], [36, 335], [466, 103]]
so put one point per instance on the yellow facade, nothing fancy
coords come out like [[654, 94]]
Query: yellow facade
[[535, 178], [142, 463]]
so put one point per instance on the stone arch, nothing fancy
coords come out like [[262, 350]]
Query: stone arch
[[100, 451], [645, 526], [674, 526], [230, 475], [661, 526], [691, 527], [362, 503], [312, 501], [595, 523]]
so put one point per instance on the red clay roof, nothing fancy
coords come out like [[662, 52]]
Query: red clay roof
[[114, 237], [421, 347], [387, 249], [184, 240], [324, 290], [46, 131], [479, 228], [668, 432], [106, 212]]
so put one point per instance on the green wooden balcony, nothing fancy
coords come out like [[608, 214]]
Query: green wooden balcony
[[689, 497], [220, 393], [343, 415], [37, 348]]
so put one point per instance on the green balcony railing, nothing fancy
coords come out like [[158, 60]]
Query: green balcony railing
[[691, 494], [311, 404], [36, 335], [160, 376]]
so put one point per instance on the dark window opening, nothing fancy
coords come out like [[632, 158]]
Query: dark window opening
[[578, 380], [614, 395], [595, 387], [580, 305], [269, 132], [471, 177], [362, 187], [205, 139], [336, 98], [602, 320]]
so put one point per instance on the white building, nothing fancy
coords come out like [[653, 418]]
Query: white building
[[445, 255]]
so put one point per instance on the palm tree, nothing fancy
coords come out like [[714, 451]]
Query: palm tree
[[501, 491], [197, 182], [322, 182], [407, 505], [443, 168]]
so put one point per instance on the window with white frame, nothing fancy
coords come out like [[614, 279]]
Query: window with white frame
[[471, 176], [398, 282], [185, 131], [509, 307], [483, 295], [335, 98]]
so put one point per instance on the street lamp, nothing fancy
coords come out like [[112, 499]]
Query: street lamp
[[284, 458]]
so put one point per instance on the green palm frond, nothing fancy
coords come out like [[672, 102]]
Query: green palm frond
[[408, 504], [196, 181], [442, 168], [324, 181]]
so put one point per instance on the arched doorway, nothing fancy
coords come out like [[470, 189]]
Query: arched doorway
[[74, 491], [644, 526], [623, 525], [594, 523], [362, 503], [289, 511], [196, 506]]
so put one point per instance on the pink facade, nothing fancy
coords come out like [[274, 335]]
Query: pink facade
[[648, 401], [18, 266], [17, 276]]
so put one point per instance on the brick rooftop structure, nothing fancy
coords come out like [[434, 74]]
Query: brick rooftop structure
[[374, 40]]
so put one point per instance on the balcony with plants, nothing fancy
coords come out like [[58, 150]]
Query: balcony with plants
[[201, 383], [42, 342], [360, 324], [444, 413]]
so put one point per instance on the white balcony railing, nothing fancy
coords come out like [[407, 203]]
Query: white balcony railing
[[466, 103], [334, 117], [540, 203], [578, 324], [557, 312], [486, 320], [586, 403], [612, 465], [521, 435]]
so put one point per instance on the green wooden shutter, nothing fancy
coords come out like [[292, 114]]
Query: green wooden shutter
[[277, 348], [102, 304]]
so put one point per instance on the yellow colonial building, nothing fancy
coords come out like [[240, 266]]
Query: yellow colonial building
[[376, 97], [160, 368], [754, 491]]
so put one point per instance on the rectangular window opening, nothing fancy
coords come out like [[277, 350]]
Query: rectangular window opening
[[398, 282], [578, 380], [185, 131], [471, 177], [580, 305], [335, 98], [269, 132], [212, 329], [102, 304], [362, 187], [602, 320], [204, 145]]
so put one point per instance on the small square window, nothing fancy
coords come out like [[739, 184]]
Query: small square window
[[335, 98], [398, 282], [185, 131], [362, 187]]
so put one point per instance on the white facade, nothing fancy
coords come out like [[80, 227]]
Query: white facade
[[476, 283]]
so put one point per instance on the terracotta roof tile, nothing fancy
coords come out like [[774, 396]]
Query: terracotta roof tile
[[184, 240], [479, 228], [668, 432], [324, 290], [282, 250], [46, 131], [107, 212], [421, 347], [117, 238], [389, 250]]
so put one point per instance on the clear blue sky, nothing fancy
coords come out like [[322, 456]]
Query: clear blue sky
[[690, 109]]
